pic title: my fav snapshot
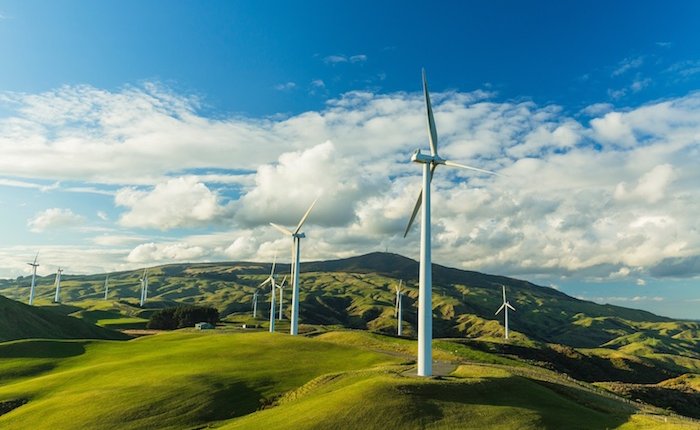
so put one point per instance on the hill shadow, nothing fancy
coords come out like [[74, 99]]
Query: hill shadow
[[42, 349]]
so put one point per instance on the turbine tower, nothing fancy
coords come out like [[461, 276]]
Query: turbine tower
[[398, 308], [57, 297], [504, 307], [271, 280], [31, 290], [106, 286], [281, 288], [144, 287], [255, 304], [425, 278], [296, 249]]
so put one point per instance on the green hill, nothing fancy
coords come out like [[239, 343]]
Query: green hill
[[590, 342], [228, 379], [20, 321]]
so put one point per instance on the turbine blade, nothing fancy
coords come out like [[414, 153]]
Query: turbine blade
[[274, 261], [500, 309], [283, 280], [432, 131], [396, 306], [36, 256], [265, 282], [419, 201], [282, 229], [462, 166], [504, 293], [511, 307], [306, 215]]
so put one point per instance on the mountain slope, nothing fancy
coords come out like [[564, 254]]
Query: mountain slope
[[20, 321]]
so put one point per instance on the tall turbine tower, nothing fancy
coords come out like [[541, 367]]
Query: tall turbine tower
[[296, 249], [57, 297], [281, 288], [255, 304], [271, 280], [425, 277], [144, 287], [31, 289], [398, 308], [504, 307], [106, 286]]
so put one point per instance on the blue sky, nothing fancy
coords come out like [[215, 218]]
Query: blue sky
[[136, 133]]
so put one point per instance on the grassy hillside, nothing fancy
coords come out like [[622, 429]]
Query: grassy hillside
[[20, 321], [592, 342], [228, 379]]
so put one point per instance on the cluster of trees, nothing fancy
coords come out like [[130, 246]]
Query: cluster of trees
[[182, 316]]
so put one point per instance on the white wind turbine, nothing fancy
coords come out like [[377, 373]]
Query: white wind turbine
[[504, 307], [255, 304], [57, 296], [106, 286], [398, 308], [425, 280], [281, 288], [31, 290], [271, 280], [144, 286], [296, 249]]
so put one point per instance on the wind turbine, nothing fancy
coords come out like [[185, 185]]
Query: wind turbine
[[144, 287], [296, 249], [271, 280], [398, 308], [106, 286], [281, 288], [255, 304], [504, 307], [57, 297], [425, 279], [31, 290]]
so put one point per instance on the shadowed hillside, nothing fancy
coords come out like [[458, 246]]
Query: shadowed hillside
[[20, 321]]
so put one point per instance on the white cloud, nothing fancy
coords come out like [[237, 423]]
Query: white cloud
[[156, 252], [337, 58], [579, 199], [179, 202], [628, 64], [285, 86], [54, 218]]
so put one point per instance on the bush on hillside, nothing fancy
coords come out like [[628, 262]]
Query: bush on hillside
[[182, 316]]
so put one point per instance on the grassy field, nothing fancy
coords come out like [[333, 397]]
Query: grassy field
[[231, 379], [585, 340]]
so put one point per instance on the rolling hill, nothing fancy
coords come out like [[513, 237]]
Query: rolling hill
[[590, 342], [231, 379], [20, 321]]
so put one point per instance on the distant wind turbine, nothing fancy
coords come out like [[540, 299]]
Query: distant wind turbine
[[57, 297], [106, 286], [425, 282], [281, 288], [31, 290], [398, 308], [271, 280], [296, 257], [504, 307], [144, 287]]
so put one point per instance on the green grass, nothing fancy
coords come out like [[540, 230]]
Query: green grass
[[175, 380], [478, 398]]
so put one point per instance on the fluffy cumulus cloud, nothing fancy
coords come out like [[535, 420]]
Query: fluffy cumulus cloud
[[54, 218], [178, 202], [154, 252], [610, 197]]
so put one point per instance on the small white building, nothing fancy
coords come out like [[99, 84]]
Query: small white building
[[203, 326]]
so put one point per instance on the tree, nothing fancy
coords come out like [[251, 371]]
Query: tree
[[182, 316]]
